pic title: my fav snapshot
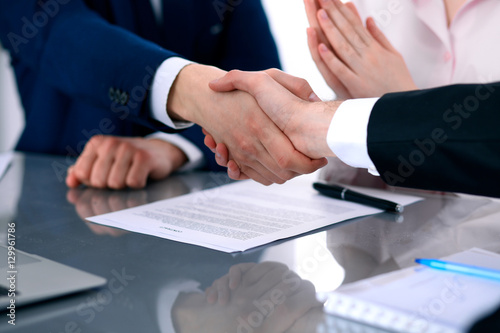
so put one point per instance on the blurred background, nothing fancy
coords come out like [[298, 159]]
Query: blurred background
[[288, 23]]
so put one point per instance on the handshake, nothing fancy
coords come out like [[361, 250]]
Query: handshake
[[275, 130]]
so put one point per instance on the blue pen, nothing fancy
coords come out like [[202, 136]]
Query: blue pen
[[461, 268]]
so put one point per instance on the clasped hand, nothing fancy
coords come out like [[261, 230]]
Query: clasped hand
[[290, 103], [256, 297]]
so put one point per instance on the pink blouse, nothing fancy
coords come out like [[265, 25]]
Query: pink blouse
[[468, 51]]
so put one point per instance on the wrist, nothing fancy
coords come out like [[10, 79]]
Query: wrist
[[185, 312], [172, 157], [310, 134], [190, 92]]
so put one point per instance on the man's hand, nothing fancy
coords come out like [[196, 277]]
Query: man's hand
[[355, 61], [304, 123], [257, 145], [220, 290], [118, 162]]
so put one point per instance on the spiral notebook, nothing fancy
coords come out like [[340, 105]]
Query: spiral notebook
[[421, 299]]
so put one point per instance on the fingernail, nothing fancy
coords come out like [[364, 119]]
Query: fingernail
[[218, 155], [314, 98], [323, 48], [323, 14], [214, 81]]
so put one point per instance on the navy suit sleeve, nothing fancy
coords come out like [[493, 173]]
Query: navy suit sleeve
[[445, 139], [79, 53]]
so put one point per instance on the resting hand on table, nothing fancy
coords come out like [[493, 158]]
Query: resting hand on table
[[119, 162], [355, 61], [304, 123]]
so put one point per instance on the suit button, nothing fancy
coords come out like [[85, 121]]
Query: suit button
[[111, 94], [216, 29], [123, 98]]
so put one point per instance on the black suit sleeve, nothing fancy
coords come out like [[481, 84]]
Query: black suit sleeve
[[445, 138], [489, 323]]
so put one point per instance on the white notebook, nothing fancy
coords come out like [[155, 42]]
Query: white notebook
[[421, 299]]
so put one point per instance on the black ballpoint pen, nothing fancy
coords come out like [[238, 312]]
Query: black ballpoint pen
[[342, 193]]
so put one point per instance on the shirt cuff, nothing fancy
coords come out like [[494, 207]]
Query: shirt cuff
[[192, 152], [162, 82], [168, 296], [348, 133]]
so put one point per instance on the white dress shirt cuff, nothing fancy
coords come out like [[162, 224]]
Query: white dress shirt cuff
[[167, 297], [192, 152], [348, 132], [162, 82]]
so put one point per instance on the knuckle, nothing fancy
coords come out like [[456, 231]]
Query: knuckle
[[96, 139], [79, 173], [261, 77], [233, 73], [97, 183], [115, 183], [271, 71], [266, 182], [280, 181], [284, 162], [346, 49], [135, 182], [142, 156], [108, 144], [248, 149], [124, 146], [301, 85]]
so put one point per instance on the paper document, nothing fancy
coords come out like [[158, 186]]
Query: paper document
[[421, 299], [5, 159], [242, 215]]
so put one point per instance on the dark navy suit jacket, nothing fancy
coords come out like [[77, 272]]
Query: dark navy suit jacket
[[84, 67]]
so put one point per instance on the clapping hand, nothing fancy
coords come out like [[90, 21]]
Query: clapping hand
[[355, 61]]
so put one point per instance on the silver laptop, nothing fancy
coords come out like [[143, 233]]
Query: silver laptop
[[36, 279]]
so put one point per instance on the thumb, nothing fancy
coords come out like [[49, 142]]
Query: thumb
[[225, 83], [296, 85]]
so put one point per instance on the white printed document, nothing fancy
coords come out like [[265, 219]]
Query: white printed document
[[242, 215]]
